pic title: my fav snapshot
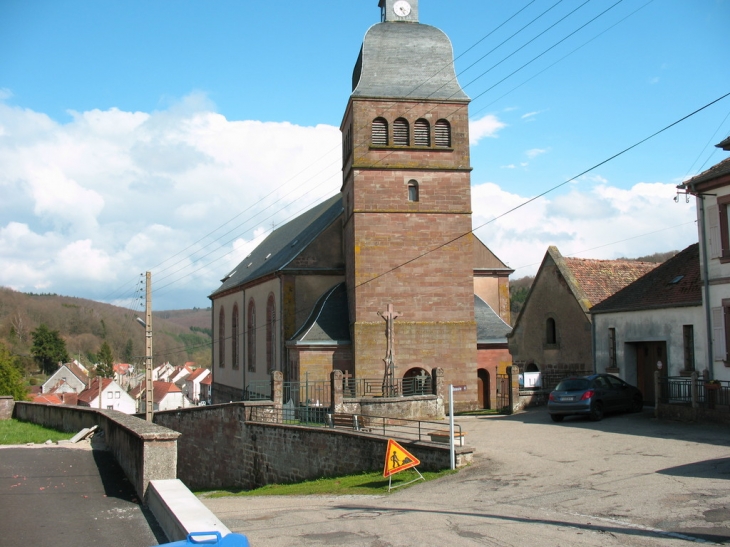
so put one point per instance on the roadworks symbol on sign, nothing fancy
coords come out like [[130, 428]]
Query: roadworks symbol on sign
[[398, 459]]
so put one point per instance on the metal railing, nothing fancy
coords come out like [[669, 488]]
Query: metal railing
[[677, 390], [313, 416], [375, 387], [258, 391]]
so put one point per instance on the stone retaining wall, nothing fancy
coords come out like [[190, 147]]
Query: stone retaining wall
[[6, 407], [219, 449], [144, 451]]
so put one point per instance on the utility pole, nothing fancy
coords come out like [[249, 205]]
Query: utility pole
[[148, 350]]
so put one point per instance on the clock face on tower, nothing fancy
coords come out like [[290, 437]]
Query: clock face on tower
[[402, 8]]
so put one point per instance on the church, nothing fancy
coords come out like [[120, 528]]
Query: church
[[392, 249]]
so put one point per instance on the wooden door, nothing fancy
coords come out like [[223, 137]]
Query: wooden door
[[648, 354], [483, 388]]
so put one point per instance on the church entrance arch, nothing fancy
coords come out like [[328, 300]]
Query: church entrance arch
[[417, 381], [483, 386]]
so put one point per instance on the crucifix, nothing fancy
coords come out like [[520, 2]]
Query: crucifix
[[389, 386]]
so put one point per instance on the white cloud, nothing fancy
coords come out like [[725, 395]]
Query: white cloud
[[488, 126], [593, 222], [534, 152], [110, 194]]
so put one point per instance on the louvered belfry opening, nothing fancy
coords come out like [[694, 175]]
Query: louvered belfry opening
[[379, 135], [401, 135], [422, 133], [443, 133]]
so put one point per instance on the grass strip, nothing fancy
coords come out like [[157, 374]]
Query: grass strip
[[361, 484], [16, 432]]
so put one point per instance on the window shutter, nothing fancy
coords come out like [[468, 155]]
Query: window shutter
[[421, 133], [400, 132], [379, 135], [442, 133], [714, 235], [719, 348]]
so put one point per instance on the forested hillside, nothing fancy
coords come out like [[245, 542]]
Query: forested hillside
[[85, 324]]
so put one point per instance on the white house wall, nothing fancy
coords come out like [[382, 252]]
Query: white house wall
[[659, 325]]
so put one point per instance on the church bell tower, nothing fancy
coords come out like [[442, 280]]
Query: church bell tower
[[407, 201]]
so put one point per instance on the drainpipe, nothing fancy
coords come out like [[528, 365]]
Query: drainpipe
[[706, 284], [593, 342]]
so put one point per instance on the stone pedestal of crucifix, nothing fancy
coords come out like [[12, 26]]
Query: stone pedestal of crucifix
[[390, 387]]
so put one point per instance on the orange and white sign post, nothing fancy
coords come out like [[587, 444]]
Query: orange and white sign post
[[398, 459]]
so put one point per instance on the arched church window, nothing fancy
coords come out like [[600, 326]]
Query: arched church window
[[412, 190], [422, 133], [442, 133], [251, 335], [550, 332], [222, 338], [270, 332], [401, 133], [234, 337], [379, 136]]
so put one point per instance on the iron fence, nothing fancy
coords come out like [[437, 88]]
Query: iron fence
[[375, 387], [313, 416], [309, 393], [258, 391], [677, 390]]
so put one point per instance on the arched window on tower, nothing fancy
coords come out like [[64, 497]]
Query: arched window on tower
[[401, 133], [270, 332], [422, 133], [442, 134], [412, 190], [251, 335], [551, 335], [379, 135], [222, 338], [234, 337]]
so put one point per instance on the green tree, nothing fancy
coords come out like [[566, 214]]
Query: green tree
[[128, 353], [11, 381], [105, 361], [48, 349]]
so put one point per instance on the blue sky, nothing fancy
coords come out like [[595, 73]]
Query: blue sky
[[131, 131]]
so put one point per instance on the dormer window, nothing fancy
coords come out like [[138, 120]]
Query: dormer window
[[401, 133], [379, 136]]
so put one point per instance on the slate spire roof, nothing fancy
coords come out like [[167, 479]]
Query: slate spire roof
[[675, 283], [491, 329]]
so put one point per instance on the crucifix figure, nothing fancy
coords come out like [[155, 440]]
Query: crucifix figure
[[389, 386]]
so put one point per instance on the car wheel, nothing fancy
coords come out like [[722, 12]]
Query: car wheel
[[637, 405], [557, 417], [596, 412]]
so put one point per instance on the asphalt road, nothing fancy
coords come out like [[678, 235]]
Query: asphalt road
[[69, 497], [628, 480]]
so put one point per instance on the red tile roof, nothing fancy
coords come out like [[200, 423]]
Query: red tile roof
[[599, 279], [47, 399], [159, 390], [677, 282], [197, 373], [208, 380], [92, 392]]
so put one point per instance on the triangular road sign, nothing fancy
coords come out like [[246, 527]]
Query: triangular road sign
[[398, 459]]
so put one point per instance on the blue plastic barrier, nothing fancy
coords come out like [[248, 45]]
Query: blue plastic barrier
[[211, 538]]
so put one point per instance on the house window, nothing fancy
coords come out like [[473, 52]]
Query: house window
[[422, 133], [412, 190], [109, 395], [550, 332], [234, 337], [688, 332], [222, 338], [442, 134], [270, 332], [720, 327], [719, 234], [116, 395], [110, 407], [401, 134], [251, 332], [612, 348], [379, 134]]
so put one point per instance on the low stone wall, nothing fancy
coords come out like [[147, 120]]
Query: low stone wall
[[416, 407], [6, 407], [686, 413], [144, 451], [219, 449]]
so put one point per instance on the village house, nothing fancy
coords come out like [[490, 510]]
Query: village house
[[69, 378], [552, 333], [655, 323], [712, 190], [393, 247], [105, 393]]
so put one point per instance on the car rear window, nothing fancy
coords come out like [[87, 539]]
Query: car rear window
[[573, 384]]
